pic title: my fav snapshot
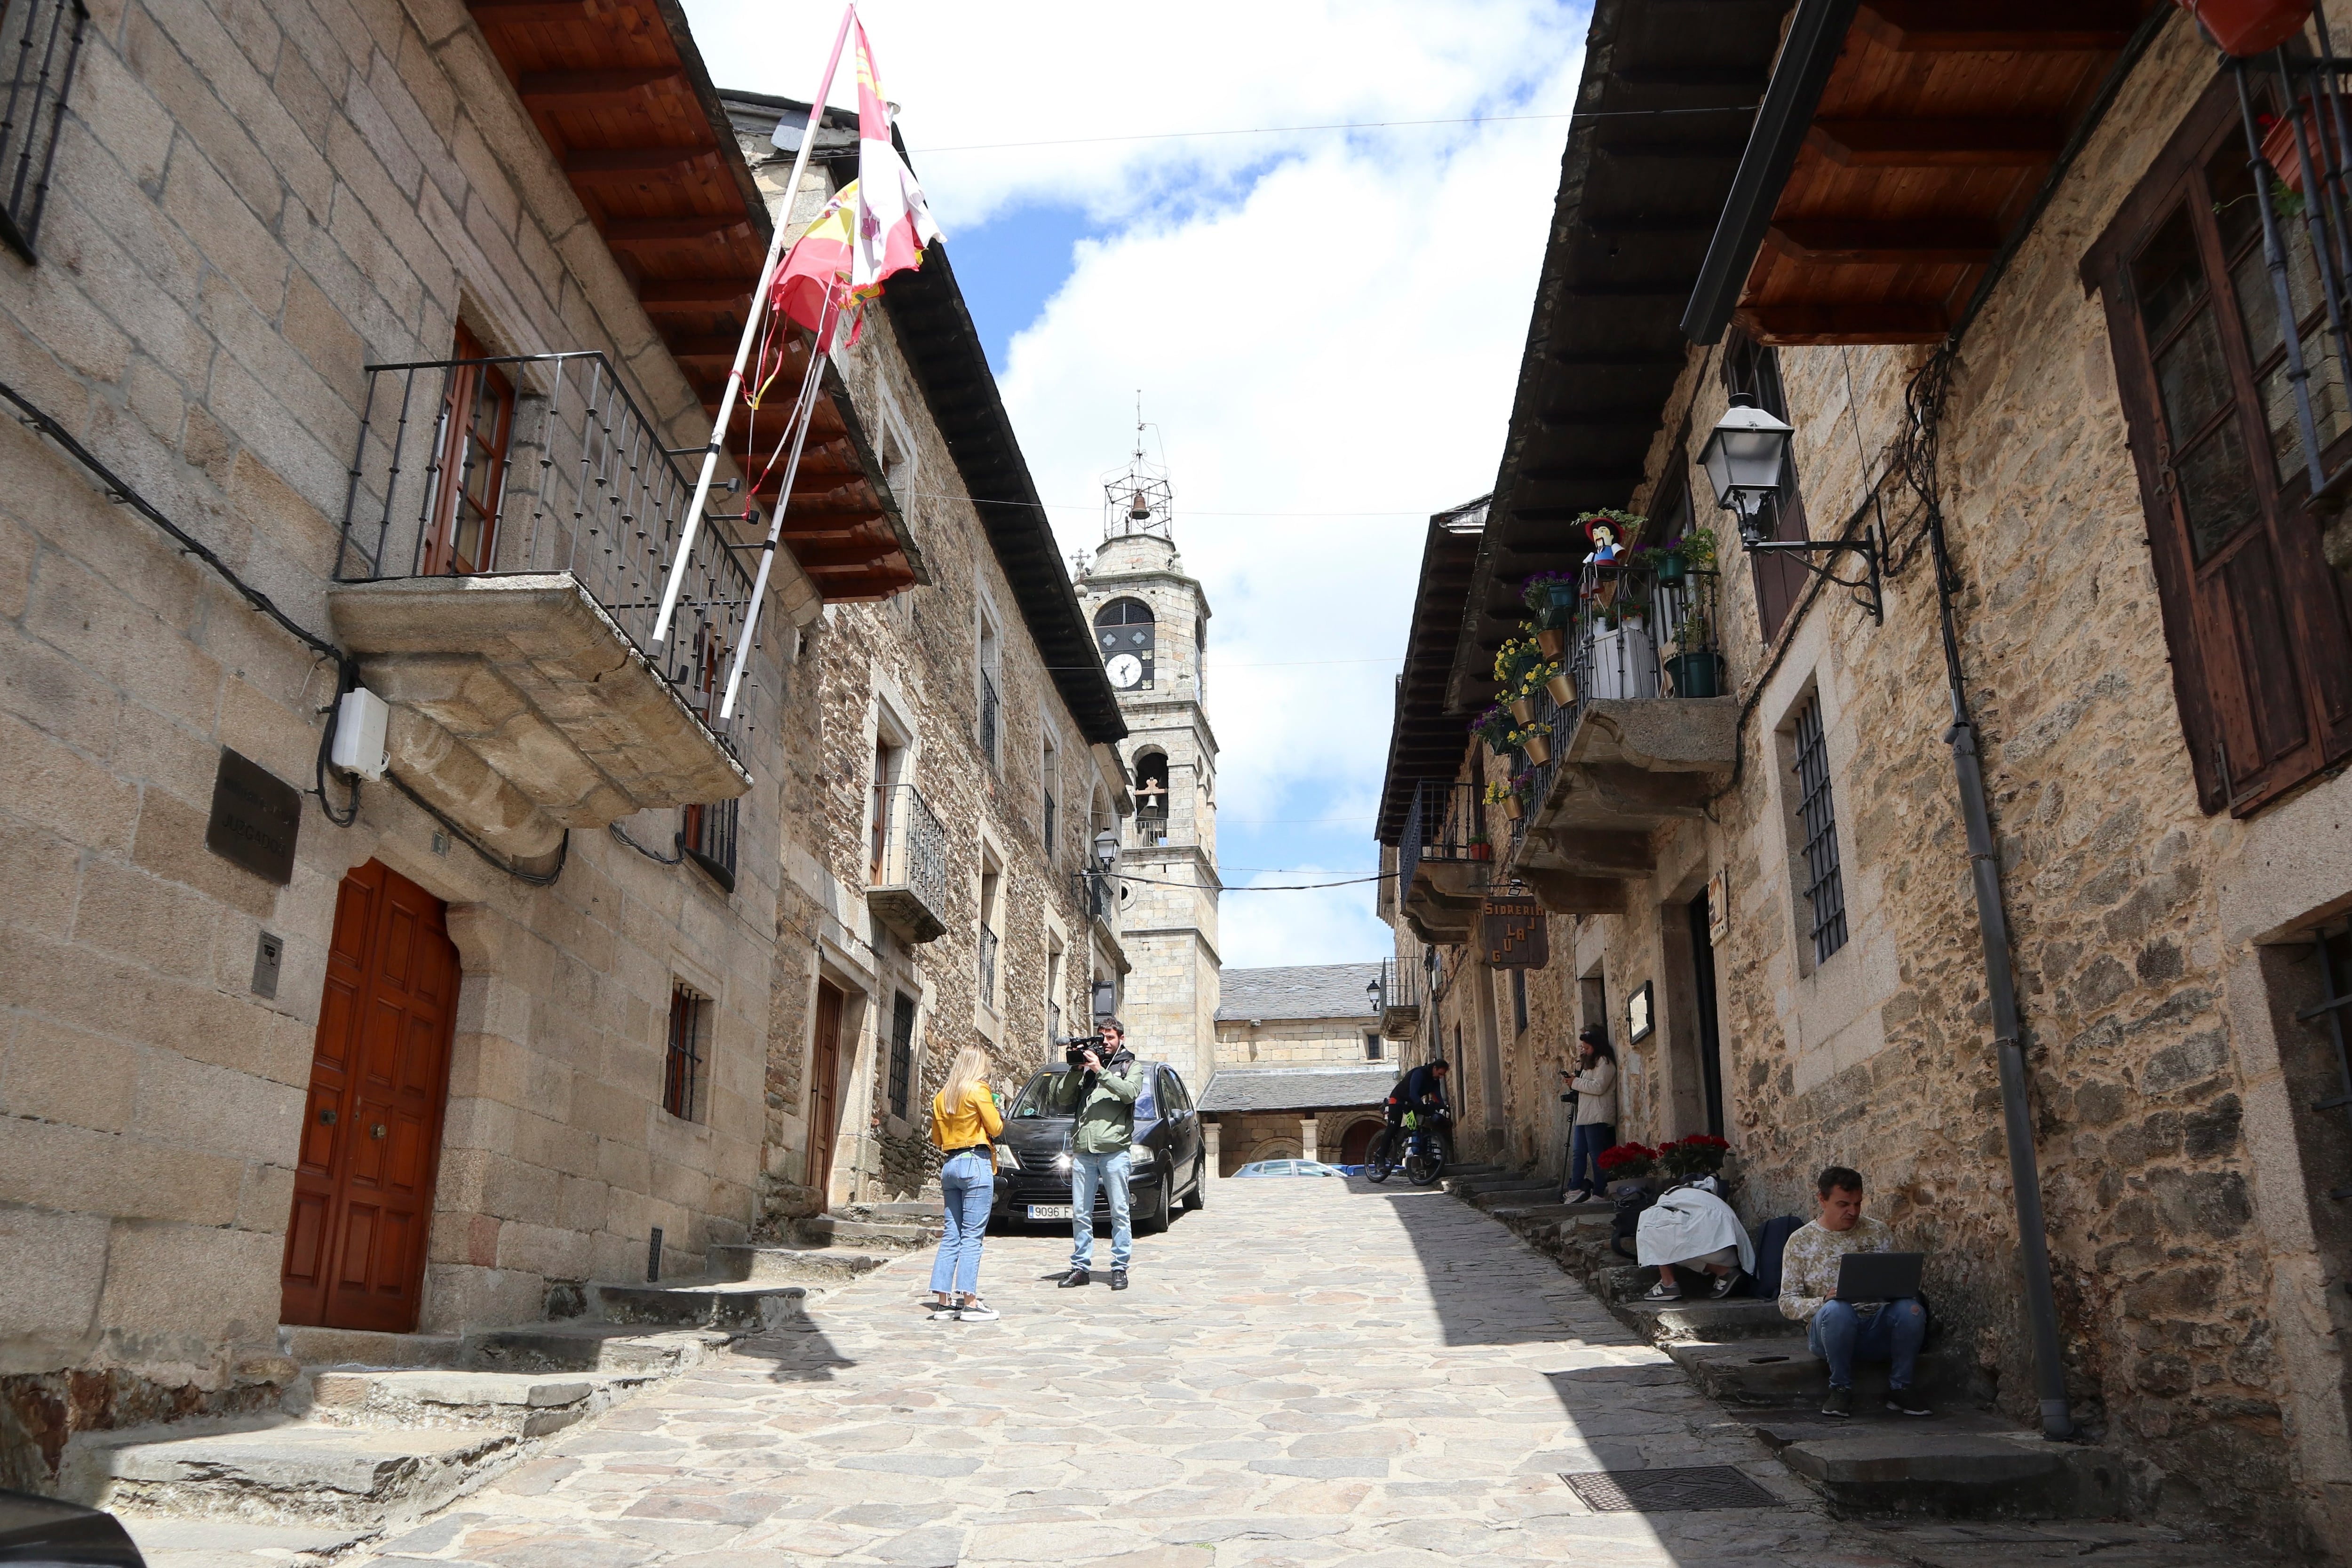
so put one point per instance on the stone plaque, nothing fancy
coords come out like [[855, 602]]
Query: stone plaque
[[1518, 935], [255, 817]]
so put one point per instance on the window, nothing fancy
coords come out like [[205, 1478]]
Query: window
[[991, 654], [1124, 631], [2259, 627], [886, 774], [682, 1065], [1152, 798], [1053, 990], [1754, 368], [902, 1054], [40, 42], [1372, 1047], [1049, 777], [478, 419], [991, 882], [707, 836], [1519, 1001], [1817, 816]]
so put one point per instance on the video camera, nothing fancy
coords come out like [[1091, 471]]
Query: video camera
[[1074, 1049]]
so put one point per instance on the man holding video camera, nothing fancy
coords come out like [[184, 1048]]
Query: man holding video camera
[[1108, 1084]]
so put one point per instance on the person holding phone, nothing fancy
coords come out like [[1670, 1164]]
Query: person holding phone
[[1593, 1083]]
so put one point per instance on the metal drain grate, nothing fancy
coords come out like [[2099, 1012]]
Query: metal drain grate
[[1668, 1491]]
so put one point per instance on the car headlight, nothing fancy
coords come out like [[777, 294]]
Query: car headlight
[[1062, 1163], [1141, 1154], [1006, 1160]]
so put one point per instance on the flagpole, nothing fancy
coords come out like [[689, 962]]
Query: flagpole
[[804, 415], [750, 334]]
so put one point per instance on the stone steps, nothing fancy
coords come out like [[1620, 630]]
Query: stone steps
[[741, 1307], [527, 1405], [1962, 1463], [801, 1265], [585, 1346], [905, 1234], [284, 1471]]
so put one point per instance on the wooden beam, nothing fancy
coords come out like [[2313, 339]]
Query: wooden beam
[[696, 294], [1828, 323], [594, 90], [658, 231], [1596, 360], [527, 12], [1938, 143], [1853, 241], [1996, 27], [837, 558], [1584, 474], [1572, 419], [635, 165]]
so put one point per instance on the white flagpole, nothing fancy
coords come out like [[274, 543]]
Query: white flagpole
[[804, 415], [751, 333]]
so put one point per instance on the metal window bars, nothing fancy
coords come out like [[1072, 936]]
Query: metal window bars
[[2335, 955], [1097, 898], [902, 1055], [1816, 813], [706, 834], [584, 487], [682, 1066], [40, 44], [1400, 986], [988, 718], [1446, 824], [914, 846], [988, 969]]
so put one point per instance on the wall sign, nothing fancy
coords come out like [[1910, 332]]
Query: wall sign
[[1638, 1020], [1518, 935], [1718, 909], [256, 816]]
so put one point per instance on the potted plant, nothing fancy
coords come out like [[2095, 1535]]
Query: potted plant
[[1535, 739], [1506, 794], [1695, 669], [1697, 547], [1494, 727], [1550, 598], [1480, 850], [1561, 684], [2245, 28], [1699, 1155], [1627, 1165]]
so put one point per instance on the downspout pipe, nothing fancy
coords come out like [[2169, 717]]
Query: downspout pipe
[[2001, 984]]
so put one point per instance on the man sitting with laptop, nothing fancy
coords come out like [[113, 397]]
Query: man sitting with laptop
[[1858, 1297]]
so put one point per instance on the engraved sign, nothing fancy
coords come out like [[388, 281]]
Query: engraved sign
[[1518, 935], [1718, 910], [255, 817]]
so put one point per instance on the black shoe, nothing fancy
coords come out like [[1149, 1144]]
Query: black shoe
[[1839, 1404], [1119, 1279], [1075, 1278], [1724, 1285], [1906, 1402]]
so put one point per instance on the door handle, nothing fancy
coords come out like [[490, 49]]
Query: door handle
[[327, 1118], [377, 1131]]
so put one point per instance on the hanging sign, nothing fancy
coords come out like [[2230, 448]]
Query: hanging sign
[[1518, 935]]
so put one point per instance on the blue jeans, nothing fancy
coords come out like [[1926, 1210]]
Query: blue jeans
[[967, 1183], [1840, 1335], [1584, 1147], [1109, 1172]]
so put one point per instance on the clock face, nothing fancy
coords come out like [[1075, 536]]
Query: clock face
[[1124, 669]]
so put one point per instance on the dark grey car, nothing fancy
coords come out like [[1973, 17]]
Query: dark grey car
[[1169, 1162]]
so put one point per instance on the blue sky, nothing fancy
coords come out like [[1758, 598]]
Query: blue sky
[[1326, 328]]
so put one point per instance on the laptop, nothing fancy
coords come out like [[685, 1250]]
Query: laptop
[[1879, 1276]]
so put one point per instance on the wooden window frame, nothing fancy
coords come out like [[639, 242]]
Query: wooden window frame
[[455, 459], [2221, 669], [683, 1058]]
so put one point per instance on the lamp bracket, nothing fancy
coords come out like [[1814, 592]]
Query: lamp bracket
[[1870, 593]]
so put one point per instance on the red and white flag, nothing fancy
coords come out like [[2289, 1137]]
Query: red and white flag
[[893, 220]]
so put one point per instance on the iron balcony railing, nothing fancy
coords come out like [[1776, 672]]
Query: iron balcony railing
[[1632, 632], [1400, 986], [1443, 824], [706, 835], [1095, 895], [40, 44], [542, 463], [913, 847]]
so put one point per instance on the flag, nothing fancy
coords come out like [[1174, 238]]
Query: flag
[[893, 220], [817, 269]]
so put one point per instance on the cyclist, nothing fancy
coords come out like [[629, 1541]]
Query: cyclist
[[1423, 1086]]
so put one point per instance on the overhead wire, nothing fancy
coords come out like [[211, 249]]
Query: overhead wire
[[1337, 125]]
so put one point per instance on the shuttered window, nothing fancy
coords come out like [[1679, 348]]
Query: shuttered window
[[1753, 367], [2258, 625]]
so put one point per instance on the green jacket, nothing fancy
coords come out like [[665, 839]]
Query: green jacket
[[1107, 1111]]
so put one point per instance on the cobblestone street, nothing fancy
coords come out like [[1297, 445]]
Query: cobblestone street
[[1305, 1371]]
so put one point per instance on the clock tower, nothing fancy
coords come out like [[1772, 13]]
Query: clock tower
[[1150, 623]]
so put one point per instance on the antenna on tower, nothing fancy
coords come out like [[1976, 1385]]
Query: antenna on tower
[[1138, 500]]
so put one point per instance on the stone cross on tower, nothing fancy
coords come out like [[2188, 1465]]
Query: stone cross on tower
[[1150, 623]]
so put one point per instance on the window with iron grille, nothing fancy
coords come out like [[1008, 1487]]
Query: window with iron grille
[[1519, 1000], [1372, 1047], [707, 834], [40, 42], [1817, 815], [902, 1055], [682, 1067]]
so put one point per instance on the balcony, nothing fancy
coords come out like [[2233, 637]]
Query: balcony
[[1445, 863], [908, 875], [508, 527], [1400, 999], [1647, 739]]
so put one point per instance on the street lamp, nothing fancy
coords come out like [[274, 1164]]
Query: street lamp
[[1372, 995], [1107, 849], [1745, 455]]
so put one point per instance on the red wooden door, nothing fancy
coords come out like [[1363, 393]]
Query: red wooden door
[[371, 1129], [824, 1088]]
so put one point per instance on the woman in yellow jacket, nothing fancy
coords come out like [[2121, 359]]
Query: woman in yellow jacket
[[965, 1123]]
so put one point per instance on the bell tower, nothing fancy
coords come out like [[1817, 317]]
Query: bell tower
[[1150, 623]]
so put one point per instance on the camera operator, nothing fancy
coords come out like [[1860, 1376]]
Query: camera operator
[[1108, 1083]]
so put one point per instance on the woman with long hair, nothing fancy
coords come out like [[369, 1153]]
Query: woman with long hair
[[1594, 1084], [965, 1123]]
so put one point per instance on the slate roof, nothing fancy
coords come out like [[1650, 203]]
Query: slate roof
[[1301, 991], [1298, 1088]]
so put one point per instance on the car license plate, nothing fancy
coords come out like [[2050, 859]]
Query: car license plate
[[1049, 1211]]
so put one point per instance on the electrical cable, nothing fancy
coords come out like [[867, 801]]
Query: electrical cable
[[535, 879], [677, 859]]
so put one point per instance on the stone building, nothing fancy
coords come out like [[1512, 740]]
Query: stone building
[[2025, 338], [1303, 1064], [956, 758]]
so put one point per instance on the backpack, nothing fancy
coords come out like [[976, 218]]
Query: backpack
[[1770, 1242], [1628, 1218]]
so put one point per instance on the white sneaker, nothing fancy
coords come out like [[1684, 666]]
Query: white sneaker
[[944, 1312], [1577, 1196], [977, 1312]]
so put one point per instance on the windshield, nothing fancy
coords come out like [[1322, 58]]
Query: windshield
[[1058, 1090]]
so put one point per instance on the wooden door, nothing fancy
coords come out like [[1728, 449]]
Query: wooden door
[[356, 1242], [825, 1089]]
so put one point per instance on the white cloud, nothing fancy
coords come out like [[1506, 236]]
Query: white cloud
[[1319, 323]]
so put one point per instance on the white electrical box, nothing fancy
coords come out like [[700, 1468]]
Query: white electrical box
[[359, 733]]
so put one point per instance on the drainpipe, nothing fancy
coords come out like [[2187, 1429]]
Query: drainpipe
[[2001, 984]]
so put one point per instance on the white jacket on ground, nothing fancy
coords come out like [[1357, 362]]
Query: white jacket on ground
[[1690, 1223]]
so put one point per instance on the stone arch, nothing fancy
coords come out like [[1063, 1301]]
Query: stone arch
[[1356, 1138]]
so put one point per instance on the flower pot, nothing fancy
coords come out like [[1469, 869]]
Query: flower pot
[[1523, 710], [1699, 674], [1562, 687], [1539, 749], [1514, 807], [1562, 596], [2279, 145], [2245, 28], [1552, 641], [1671, 567], [1482, 852]]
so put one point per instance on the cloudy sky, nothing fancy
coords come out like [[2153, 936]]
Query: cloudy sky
[[1325, 326]]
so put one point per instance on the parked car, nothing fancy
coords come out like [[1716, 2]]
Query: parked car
[[41, 1530], [1169, 1162], [1289, 1168]]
